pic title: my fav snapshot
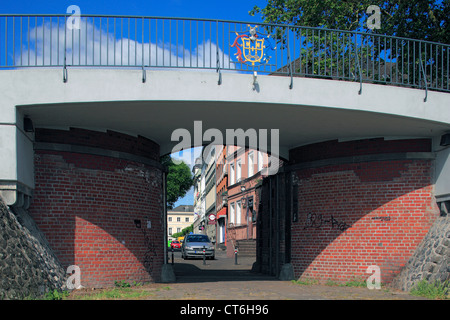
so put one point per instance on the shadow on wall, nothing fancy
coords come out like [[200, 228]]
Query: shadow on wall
[[354, 215], [346, 223], [106, 221], [102, 213]]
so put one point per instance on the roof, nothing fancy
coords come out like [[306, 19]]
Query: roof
[[183, 208]]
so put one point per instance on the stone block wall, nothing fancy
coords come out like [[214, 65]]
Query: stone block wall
[[28, 267], [431, 261]]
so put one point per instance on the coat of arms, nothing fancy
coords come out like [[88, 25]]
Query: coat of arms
[[254, 45]]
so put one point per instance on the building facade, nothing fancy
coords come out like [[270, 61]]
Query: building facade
[[198, 192], [179, 218], [226, 182], [221, 197], [245, 167], [210, 195]]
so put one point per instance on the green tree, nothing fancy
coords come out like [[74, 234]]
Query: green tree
[[179, 180], [326, 52], [417, 19], [183, 232]]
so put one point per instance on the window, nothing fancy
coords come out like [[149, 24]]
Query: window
[[197, 238], [178, 219], [238, 213], [170, 231], [186, 219], [170, 219], [178, 230], [250, 164], [232, 213], [238, 170], [231, 173]]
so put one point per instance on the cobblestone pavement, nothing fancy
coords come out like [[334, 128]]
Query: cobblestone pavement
[[221, 279]]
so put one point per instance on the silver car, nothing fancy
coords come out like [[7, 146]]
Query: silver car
[[194, 244]]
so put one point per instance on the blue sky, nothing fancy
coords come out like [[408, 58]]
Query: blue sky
[[212, 9], [236, 10]]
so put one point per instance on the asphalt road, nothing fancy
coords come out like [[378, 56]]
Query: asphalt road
[[219, 269]]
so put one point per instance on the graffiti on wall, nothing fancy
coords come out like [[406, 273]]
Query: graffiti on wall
[[317, 221], [383, 218]]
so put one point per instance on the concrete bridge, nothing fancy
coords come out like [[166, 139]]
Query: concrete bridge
[[366, 161]]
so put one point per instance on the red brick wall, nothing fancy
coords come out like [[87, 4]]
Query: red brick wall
[[335, 149], [355, 215], [109, 140], [86, 206]]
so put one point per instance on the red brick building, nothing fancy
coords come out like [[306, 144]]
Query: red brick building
[[244, 177], [221, 197]]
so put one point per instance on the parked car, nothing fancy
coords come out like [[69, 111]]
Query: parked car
[[194, 244], [175, 244]]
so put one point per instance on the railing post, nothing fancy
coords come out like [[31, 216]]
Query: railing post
[[144, 74], [219, 82], [291, 85], [359, 65], [65, 49], [424, 80], [423, 73], [65, 71]]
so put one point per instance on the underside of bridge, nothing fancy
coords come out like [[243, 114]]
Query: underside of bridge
[[361, 183]]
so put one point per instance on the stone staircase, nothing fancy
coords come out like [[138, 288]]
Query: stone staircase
[[247, 248]]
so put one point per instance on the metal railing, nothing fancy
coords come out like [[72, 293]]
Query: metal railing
[[150, 42]]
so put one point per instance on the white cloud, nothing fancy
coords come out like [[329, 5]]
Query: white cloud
[[89, 45], [187, 156]]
